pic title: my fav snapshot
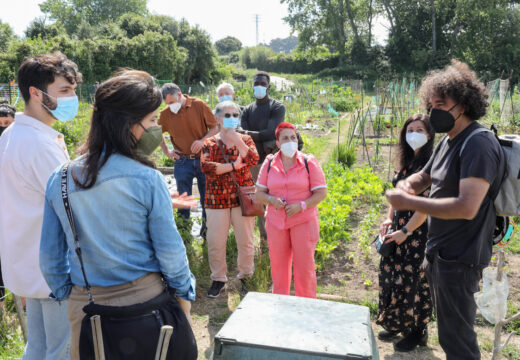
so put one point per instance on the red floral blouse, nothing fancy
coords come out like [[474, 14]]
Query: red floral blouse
[[221, 192]]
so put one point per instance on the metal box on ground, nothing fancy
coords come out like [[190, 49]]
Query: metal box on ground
[[270, 327]]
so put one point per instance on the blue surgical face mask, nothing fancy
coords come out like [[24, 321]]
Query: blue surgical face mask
[[260, 91], [230, 123], [67, 108], [225, 98]]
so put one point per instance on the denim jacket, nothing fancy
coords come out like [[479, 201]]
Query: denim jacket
[[125, 228]]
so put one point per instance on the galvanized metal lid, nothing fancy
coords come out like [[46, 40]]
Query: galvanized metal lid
[[303, 325]]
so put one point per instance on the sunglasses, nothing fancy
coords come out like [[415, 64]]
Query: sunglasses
[[227, 115]]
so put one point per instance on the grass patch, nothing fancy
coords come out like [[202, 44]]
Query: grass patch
[[314, 145], [12, 343], [220, 317], [512, 309]]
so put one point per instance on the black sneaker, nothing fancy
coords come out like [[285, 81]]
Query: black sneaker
[[387, 335], [411, 341], [216, 288]]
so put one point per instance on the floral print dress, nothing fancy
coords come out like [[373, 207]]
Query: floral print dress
[[404, 296]]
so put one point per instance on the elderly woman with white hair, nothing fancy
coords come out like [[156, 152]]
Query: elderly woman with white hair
[[225, 92], [221, 199]]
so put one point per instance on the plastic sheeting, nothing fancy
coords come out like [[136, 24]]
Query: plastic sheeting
[[492, 300]]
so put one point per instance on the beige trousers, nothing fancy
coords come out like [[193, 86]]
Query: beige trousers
[[134, 292], [218, 222]]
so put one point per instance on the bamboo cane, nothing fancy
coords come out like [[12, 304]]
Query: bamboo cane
[[164, 342], [97, 337]]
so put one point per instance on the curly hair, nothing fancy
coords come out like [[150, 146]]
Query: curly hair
[[459, 83]]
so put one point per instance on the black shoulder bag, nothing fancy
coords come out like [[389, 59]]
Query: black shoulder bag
[[131, 332]]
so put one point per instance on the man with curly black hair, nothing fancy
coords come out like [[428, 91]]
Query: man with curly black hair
[[464, 181]]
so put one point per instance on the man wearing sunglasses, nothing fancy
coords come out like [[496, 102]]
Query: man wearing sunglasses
[[259, 120], [188, 121]]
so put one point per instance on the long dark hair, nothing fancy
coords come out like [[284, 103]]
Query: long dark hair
[[120, 102], [407, 158]]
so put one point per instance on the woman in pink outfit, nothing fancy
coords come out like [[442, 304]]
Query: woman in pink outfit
[[292, 184]]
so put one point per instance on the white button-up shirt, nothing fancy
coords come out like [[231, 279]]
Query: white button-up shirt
[[29, 152]]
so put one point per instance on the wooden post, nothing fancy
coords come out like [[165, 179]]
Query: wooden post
[[497, 346], [21, 315]]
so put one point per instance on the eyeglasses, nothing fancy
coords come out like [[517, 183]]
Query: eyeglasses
[[227, 115]]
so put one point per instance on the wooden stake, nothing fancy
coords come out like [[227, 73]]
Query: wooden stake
[[497, 346], [20, 312]]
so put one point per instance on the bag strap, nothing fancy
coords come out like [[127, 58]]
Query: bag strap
[[68, 210], [304, 160], [474, 132], [226, 158]]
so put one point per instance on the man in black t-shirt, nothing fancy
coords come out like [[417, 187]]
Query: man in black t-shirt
[[259, 120], [460, 207]]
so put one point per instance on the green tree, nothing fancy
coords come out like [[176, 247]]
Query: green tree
[[338, 24], [71, 13], [484, 33], [135, 24], [228, 44], [285, 45], [39, 27], [6, 35], [202, 65]]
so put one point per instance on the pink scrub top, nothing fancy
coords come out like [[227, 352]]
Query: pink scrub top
[[294, 186]]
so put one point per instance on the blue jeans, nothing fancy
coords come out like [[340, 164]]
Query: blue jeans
[[184, 171], [48, 330]]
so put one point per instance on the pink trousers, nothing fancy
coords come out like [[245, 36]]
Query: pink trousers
[[293, 248]]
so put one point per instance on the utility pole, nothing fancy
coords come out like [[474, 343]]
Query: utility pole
[[257, 21]]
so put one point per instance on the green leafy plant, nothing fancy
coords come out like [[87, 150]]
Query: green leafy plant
[[346, 189], [344, 154]]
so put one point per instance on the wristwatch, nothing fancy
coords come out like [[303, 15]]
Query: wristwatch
[[404, 230], [303, 204]]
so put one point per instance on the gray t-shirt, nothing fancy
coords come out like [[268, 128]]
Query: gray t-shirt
[[465, 241]]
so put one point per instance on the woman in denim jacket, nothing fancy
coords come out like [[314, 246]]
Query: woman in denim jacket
[[122, 212]]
